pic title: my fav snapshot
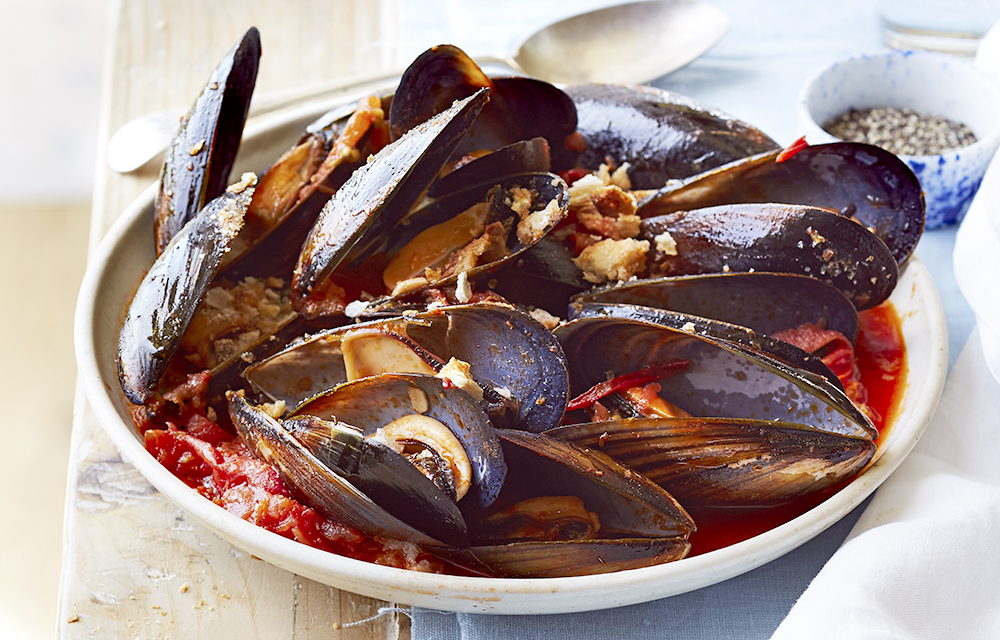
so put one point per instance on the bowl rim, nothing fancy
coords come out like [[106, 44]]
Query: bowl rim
[[992, 138], [485, 595]]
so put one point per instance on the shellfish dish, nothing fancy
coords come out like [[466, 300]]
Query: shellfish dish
[[493, 327]]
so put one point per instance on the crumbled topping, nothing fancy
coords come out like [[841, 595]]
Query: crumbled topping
[[611, 260], [463, 290], [459, 374], [665, 243], [247, 180], [533, 225], [547, 320], [355, 308], [411, 284]]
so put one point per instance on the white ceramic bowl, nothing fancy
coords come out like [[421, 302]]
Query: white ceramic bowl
[[931, 83], [127, 252]]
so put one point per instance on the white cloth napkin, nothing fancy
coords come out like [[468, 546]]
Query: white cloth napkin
[[923, 561], [977, 245]]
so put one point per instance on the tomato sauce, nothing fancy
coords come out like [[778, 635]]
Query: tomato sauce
[[186, 438], [881, 358]]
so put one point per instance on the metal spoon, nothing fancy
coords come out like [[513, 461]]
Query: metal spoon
[[627, 43]]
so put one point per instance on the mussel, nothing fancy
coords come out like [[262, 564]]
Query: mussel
[[567, 511], [374, 402], [197, 164], [319, 461], [857, 180], [730, 462], [724, 378], [773, 237], [172, 289], [762, 301], [661, 135], [379, 195], [497, 342]]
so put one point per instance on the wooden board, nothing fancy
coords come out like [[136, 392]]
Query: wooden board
[[133, 564]]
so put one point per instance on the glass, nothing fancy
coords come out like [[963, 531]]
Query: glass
[[949, 26]]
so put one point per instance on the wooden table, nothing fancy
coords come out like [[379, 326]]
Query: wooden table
[[134, 566]]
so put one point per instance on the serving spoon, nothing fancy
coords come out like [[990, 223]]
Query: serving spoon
[[627, 43]]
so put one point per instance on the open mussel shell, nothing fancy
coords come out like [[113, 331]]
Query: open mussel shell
[[382, 474], [519, 109], [171, 291], [313, 363], [722, 380], [628, 506], [294, 189], [373, 402], [723, 333], [549, 204], [519, 157], [197, 163], [777, 238], [497, 341], [322, 489], [500, 344], [662, 135], [727, 461], [431, 83], [379, 194], [764, 302], [858, 180], [544, 276]]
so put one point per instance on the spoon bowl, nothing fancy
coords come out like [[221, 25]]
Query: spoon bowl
[[627, 43]]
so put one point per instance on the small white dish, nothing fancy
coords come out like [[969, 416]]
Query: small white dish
[[126, 253], [930, 83]]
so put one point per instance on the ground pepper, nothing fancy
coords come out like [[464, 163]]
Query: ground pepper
[[901, 131]]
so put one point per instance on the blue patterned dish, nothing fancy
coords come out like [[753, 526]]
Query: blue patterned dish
[[931, 83]]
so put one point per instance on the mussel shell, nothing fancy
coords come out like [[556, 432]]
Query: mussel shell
[[519, 109], [579, 557], [498, 342], [197, 163], [662, 135], [858, 180], [544, 276], [322, 489], [777, 238], [431, 83], [727, 462], [544, 188], [389, 479], [628, 505], [171, 291], [311, 364], [625, 502], [520, 157], [719, 332], [764, 302], [371, 403], [722, 380], [380, 193], [271, 247]]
